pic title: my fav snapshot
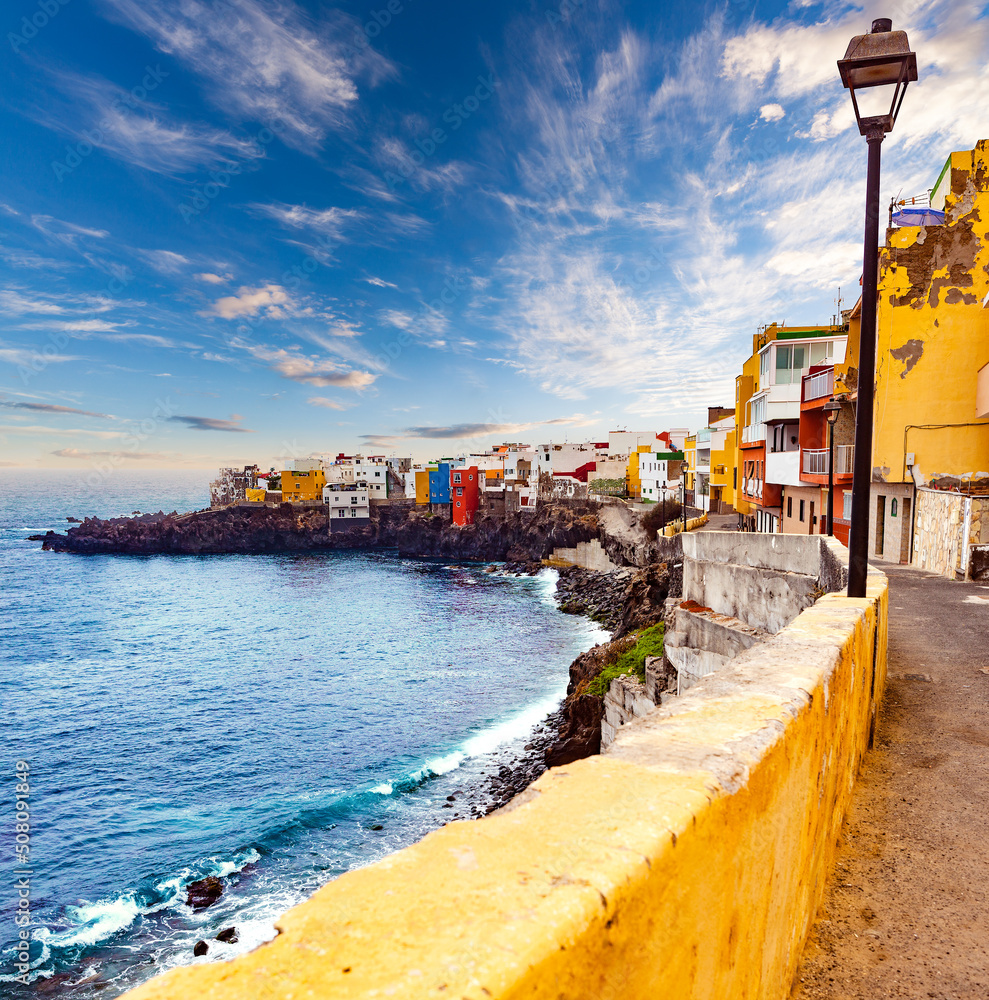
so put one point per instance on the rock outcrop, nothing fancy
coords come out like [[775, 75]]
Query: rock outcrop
[[414, 531]]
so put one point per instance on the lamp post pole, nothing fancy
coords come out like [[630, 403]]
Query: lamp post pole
[[830, 478], [879, 59], [858, 536]]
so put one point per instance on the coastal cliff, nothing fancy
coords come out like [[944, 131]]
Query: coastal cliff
[[520, 538]]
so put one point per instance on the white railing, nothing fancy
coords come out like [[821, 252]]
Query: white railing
[[818, 385], [753, 432], [815, 460], [752, 487]]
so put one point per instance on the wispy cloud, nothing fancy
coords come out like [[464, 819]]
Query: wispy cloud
[[143, 134], [212, 424], [54, 408], [326, 404], [138, 456], [261, 61], [326, 221]]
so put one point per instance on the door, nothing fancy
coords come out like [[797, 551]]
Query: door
[[905, 526], [810, 520], [880, 524]]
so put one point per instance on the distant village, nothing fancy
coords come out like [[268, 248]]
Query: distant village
[[643, 465], [784, 446]]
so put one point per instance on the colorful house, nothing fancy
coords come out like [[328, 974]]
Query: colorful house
[[439, 483], [464, 494], [302, 483]]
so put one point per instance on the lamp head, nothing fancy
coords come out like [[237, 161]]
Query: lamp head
[[881, 62], [831, 410]]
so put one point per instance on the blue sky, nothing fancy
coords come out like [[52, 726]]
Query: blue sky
[[241, 230]]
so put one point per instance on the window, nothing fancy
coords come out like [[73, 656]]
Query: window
[[892, 507], [789, 506], [353, 499], [460, 491], [458, 503], [846, 505], [456, 477], [471, 477], [802, 502]]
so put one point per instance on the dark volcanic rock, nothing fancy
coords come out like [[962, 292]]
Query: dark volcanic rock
[[204, 893], [644, 599], [228, 935], [414, 531], [200, 948]]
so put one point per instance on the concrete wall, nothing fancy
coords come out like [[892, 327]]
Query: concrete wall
[[705, 641], [586, 555], [625, 701], [687, 862], [764, 580]]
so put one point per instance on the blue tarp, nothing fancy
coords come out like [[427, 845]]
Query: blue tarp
[[918, 217]]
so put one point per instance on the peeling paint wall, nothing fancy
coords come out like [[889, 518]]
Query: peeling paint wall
[[933, 334]]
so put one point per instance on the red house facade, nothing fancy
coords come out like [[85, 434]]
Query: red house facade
[[464, 494]]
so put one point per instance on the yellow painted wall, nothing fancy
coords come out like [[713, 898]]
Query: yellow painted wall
[[298, 486], [688, 862], [932, 282], [690, 457], [633, 476], [255, 495], [422, 487], [726, 457]]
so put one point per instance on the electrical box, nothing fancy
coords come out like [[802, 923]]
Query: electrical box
[[911, 458]]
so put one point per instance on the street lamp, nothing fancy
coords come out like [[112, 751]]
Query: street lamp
[[684, 469], [881, 63], [831, 410]]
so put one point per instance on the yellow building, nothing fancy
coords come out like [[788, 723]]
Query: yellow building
[[690, 457], [723, 469], [633, 476], [932, 377], [304, 485], [422, 486], [255, 495], [932, 334]]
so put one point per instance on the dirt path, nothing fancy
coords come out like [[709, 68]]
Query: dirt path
[[906, 913]]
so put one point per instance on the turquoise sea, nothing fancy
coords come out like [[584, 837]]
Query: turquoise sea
[[272, 720]]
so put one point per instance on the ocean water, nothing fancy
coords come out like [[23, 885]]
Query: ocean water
[[272, 720]]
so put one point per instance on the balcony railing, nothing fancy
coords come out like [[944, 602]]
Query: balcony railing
[[753, 432], [815, 460], [818, 385], [752, 487]]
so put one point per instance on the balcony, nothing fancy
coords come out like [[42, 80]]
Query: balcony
[[752, 488], [753, 433], [815, 460], [818, 385]]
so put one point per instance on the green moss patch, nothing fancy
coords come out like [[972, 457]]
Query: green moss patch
[[629, 658]]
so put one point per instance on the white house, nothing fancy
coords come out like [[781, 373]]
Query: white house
[[348, 504]]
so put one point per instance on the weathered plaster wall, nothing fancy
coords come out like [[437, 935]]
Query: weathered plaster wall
[[687, 862], [933, 334]]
